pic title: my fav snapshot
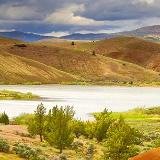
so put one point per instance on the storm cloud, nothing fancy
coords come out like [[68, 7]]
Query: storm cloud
[[70, 16]]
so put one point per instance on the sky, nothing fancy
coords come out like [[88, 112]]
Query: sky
[[62, 17]]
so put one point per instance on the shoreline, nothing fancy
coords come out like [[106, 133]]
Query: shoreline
[[106, 84]]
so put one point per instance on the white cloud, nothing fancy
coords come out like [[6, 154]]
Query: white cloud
[[57, 34], [7, 30], [67, 15], [123, 25], [144, 1]]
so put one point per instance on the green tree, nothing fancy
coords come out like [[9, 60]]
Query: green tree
[[90, 129], [4, 118], [36, 125], [58, 128], [121, 141], [103, 121], [78, 128], [73, 43]]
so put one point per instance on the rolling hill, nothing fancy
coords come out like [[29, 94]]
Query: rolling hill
[[83, 64], [15, 69], [57, 61], [130, 49]]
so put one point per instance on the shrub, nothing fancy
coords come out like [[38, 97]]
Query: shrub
[[76, 145], [23, 119], [152, 136], [73, 43], [25, 151], [103, 122], [156, 143], [20, 45], [4, 146], [94, 53], [4, 118], [78, 128], [63, 157], [90, 152], [154, 110], [121, 141], [39, 158], [89, 129]]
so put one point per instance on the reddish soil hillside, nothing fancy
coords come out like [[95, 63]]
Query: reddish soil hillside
[[150, 155], [83, 64], [131, 49]]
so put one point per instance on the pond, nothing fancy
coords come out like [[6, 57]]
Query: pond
[[84, 99]]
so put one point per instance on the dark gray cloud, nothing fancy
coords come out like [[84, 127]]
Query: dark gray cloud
[[44, 16], [123, 9]]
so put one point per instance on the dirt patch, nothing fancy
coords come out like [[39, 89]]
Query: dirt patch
[[150, 155], [14, 133]]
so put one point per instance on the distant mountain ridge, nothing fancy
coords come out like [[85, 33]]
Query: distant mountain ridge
[[23, 36], [148, 32], [89, 36]]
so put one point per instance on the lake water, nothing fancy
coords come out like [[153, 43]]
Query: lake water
[[84, 99]]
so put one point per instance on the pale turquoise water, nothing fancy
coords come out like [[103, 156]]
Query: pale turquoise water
[[85, 99]]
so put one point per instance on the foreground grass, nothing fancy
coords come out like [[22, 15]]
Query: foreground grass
[[6, 156], [13, 95]]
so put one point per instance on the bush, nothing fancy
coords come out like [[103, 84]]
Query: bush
[[63, 157], [154, 110], [76, 145], [121, 141], [25, 151], [94, 53], [4, 146], [39, 158], [90, 152], [4, 118], [78, 128], [20, 45], [156, 143], [73, 43], [89, 129], [22, 119], [152, 136]]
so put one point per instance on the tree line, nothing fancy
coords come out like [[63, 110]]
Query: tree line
[[59, 128]]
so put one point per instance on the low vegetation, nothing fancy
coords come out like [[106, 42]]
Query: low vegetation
[[13, 95], [55, 134]]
